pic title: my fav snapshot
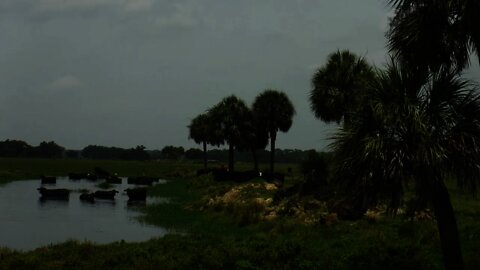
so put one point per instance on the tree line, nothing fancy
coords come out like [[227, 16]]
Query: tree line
[[21, 149]]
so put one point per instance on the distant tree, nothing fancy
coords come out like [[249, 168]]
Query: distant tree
[[194, 153], [337, 86], [431, 35], [102, 152], [274, 112], [49, 150], [202, 130], [137, 153], [420, 130], [172, 152], [15, 148], [231, 118], [155, 154], [73, 154]]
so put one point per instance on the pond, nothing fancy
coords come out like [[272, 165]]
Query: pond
[[27, 222]]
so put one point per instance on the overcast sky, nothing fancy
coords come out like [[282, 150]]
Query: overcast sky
[[130, 72]]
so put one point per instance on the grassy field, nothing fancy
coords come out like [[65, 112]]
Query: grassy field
[[235, 236]]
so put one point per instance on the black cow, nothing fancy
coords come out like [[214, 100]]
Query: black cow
[[108, 194], [59, 193], [136, 194], [87, 197]]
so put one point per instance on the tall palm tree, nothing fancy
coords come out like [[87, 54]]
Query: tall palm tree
[[231, 118], [274, 111], [429, 35], [201, 130], [415, 129], [337, 86]]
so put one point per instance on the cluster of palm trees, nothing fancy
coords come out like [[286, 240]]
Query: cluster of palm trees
[[415, 123], [233, 123]]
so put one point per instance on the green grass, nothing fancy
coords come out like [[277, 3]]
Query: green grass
[[208, 239]]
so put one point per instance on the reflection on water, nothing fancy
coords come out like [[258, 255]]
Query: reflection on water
[[28, 221]]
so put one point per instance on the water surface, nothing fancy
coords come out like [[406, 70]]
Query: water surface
[[27, 222]]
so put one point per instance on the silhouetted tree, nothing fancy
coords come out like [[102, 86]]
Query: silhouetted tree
[[424, 129], [337, 86], [15, 148], [137, 153], [430, 35], [102, 152], [74, 154], [231, 118], [254, 139], [273, 111], [49, 150], [172, 152], [202, 130]]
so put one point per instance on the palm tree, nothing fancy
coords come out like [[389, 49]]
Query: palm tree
[[202, 131], [231, 118], [414, 129], [429, 35], [255, 137], [274, 111], [337, 86]]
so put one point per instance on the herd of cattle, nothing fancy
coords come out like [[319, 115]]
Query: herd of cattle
[[134, 194]]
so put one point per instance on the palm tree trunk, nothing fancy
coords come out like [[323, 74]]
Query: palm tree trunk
[[273, 136], [447, 227], [205, 155], [230, 158]]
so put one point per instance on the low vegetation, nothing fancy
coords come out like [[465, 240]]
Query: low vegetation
[[252, 225]]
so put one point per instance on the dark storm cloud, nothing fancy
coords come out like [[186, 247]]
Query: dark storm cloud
[[128, 72]]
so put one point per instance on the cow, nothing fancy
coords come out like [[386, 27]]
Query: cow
[[59, 193], [102, 194], [136, 194], [87, 197]]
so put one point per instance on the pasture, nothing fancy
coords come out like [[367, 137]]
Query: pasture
[[237, 236]]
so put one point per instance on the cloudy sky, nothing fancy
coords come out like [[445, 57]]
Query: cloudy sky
[[130, 72]]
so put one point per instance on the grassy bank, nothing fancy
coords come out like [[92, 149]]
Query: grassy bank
[[235, 236], [16, 169]]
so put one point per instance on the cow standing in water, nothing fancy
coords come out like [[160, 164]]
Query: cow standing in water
[[87, 197], [108, 195], [59, 193]]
